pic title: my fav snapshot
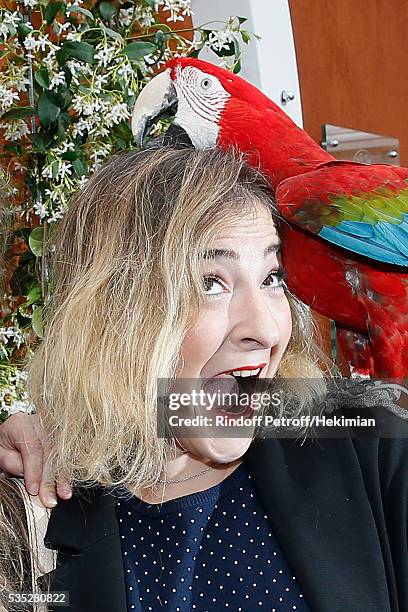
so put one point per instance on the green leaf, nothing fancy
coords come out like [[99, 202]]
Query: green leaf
[[41, 141], [18, 60], [23, 29], [63, 98], [159, 39], [107, 10], [19, 112], [48, 112], [237, 67], [80, 167], [81, 51], [79, 9], [42, 77], [245, 36], [63, 123], [138, 50], [51, 11], [110, 32], [37, 321], [35, 240], [70, 155], [122, 144], [123, 131], [242, 20], [34, 295]]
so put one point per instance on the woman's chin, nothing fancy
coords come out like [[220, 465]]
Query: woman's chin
[[221, 450]]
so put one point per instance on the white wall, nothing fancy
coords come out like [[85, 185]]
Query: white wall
[[270, 63]]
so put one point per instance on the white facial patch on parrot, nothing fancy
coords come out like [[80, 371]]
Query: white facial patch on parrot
[[201, 100]]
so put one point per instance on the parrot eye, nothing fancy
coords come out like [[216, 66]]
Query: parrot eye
[[206, 84]]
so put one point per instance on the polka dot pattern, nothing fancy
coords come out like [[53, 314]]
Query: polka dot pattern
[[212, 550]]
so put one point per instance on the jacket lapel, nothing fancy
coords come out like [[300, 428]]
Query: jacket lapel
[[315, 498], [85, 532]]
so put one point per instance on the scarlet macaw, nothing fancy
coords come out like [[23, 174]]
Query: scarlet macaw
[[345, 249]]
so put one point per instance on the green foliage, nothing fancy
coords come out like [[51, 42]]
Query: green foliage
[[66, 94]]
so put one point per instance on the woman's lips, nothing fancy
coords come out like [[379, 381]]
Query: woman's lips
[[247, 369]]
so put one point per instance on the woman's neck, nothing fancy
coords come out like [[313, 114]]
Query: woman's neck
[[181, 465]]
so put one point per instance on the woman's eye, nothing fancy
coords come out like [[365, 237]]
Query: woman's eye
[[275, 280], [213, 285]]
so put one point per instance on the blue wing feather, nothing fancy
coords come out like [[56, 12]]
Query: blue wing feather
[[385, 242]]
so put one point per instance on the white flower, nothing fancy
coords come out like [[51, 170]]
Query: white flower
[[43, 42], [12, 19], [30, 3], [99, 82], [29, 42], [46, 172], [117, 113], [7, 97], [125, 16], [78, 71], [98, 154], [15, 130], [74, 36], [125, 69], [59, 28], [19, 406], [11, 333], [82, 181], [226, 62], [18, 376], [220, 39], [144, 16], [64, 168], [50, 62], [55, 216], [101, 150], [178, 8], [57, 79], [40, 210], [99, 130], [87, 105], [64, 147], [80, 127], [4, 31], [105, 55], [121, 111]]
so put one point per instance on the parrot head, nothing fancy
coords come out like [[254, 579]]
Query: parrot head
[[197, 93], [213, 107]]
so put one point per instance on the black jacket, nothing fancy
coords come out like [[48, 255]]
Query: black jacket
[[338, 507]]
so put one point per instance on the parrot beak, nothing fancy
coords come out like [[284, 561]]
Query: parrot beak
[[157, 97]]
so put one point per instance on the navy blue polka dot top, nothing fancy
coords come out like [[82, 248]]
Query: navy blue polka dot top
[[212, 550]]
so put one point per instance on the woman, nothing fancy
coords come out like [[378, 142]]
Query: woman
[[167, 266]]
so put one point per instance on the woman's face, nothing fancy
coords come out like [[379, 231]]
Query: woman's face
[[245, 321]]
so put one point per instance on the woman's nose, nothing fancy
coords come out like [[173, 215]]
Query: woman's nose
[[253, 322]]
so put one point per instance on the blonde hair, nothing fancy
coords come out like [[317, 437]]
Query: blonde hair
[[125, 291]]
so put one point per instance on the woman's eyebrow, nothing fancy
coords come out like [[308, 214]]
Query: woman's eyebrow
[[228, 254]]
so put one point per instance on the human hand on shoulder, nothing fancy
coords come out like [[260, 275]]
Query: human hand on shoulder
[[24, 451]]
